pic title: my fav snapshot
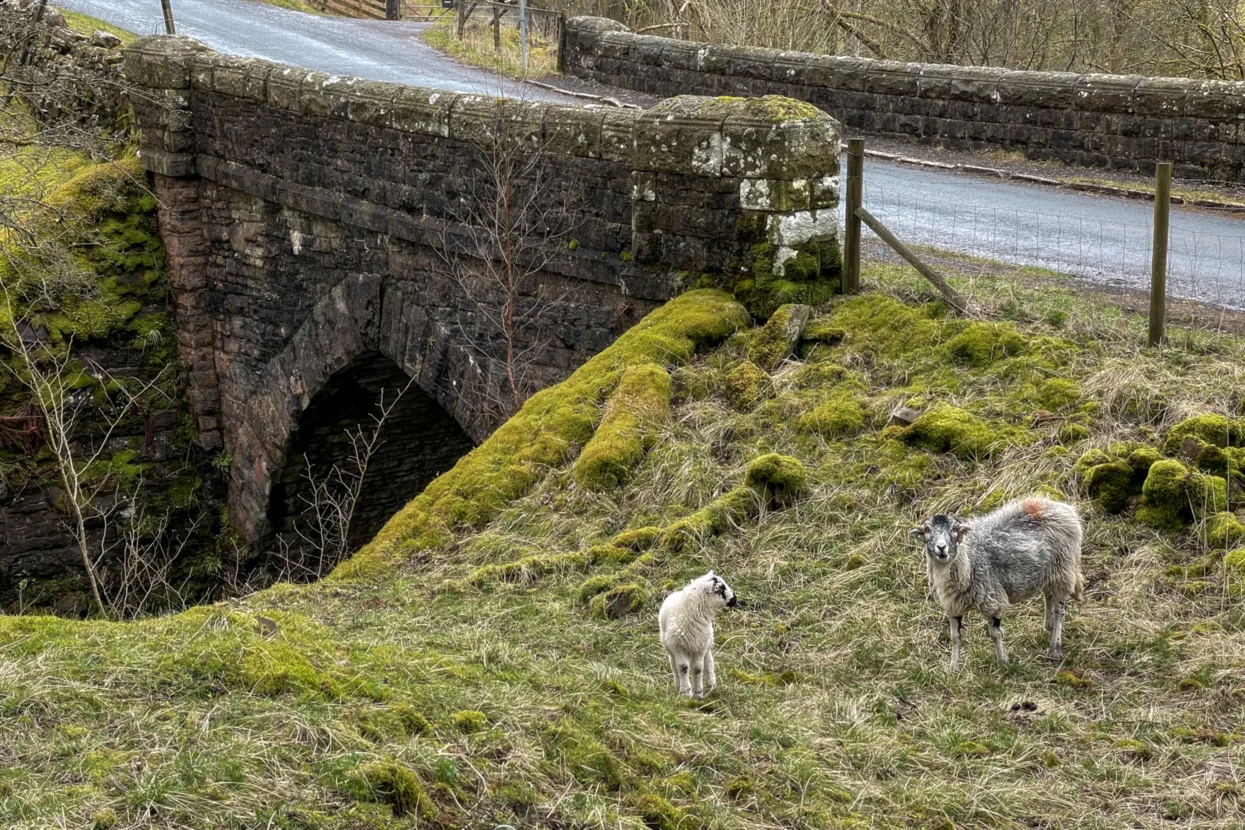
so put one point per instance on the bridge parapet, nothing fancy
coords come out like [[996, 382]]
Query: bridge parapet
[[312, 218]]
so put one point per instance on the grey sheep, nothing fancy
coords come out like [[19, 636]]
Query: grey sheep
[[1027, 547]]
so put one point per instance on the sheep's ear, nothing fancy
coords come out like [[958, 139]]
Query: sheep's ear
[[917, 533], [961, 531]]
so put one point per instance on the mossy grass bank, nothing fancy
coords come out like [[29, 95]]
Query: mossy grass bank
[[491, 658]]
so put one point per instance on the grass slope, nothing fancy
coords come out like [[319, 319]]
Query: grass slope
[[460, 672]]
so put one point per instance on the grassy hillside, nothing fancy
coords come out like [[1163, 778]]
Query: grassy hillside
[[492, 656]]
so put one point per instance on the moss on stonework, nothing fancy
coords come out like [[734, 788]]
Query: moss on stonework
[[775, 341], [1114, 476], [1173, 495], [771, 276], [747, 385], [636, 409], [979, 344], [618, 602]]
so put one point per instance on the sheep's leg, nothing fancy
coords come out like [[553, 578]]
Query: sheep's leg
[[957, 641], [711, 676], [996, 634], [682, 667], [678, 678], [698, 670], [1050, 612], [1056, 629]]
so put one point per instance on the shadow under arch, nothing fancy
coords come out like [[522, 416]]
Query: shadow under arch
[[418, 441]]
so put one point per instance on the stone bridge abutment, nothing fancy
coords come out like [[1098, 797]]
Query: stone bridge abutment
[[324, 237]]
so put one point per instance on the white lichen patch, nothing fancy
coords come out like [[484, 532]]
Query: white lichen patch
[[707, 155], [296, 242], [754, 194], [789, 230]]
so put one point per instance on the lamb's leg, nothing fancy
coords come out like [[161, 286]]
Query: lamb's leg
[[682, 667], [996, 634], [698, 670], [678, 678], [1056, 629], [957, 642], [711, 676]]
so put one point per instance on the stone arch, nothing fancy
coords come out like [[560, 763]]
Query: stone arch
[[357, 340]]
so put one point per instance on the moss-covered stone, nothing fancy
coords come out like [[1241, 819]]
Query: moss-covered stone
[[470, 720], [659, 814], [1110, 484], [953, 430], [780, 479], [747, 385], [1215, 430], [979, 344], [1173, 495], [776, 341], [634, 412]]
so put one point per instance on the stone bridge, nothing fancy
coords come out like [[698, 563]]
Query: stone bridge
[[330, 238]]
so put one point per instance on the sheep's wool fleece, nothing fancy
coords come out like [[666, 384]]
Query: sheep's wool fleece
[[686, 618]]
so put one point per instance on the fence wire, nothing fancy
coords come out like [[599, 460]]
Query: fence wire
[[1202, 265]]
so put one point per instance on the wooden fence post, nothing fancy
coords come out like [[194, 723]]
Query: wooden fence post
[[496, 29], [850, 279], [561, 42], [167, 6], [1158, 257], [952, 297]]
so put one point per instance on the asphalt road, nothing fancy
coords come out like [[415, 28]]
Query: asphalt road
[[1102, 239], [378, 50]]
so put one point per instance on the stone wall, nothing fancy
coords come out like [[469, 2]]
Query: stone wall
[[1125, 122], [314, 220], [63, 74]]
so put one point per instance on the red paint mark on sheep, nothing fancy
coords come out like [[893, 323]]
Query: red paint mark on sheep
[[1033, 509]]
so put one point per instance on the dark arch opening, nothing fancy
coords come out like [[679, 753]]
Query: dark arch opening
[[418, 441]]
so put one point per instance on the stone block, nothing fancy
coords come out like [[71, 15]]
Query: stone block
[[682, 134], [892, 78], [423, 111], [162, 61], [284, 87], [832, 72], [1105, 93], [573, 131], [371, 102]]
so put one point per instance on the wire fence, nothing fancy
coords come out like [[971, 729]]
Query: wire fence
[[1102, 240]]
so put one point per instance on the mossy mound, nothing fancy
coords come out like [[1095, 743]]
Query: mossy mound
[[747, 385], [1173, 495], [387, 782], [634, 412], [881, 325], [953, 430], [979, 344], [1224, 530], [780, 479], [841, 414]]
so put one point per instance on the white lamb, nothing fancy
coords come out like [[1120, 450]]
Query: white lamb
[[686, 625]]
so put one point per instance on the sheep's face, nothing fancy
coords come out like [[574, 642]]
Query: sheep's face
[[942, 534], [717, 589]]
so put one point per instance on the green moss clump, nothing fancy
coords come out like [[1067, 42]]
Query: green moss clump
[[979, 344], [747, 385], [1072, 432], [470, 720], [618, 602], [386, 782], [642, 538], [1215, 430], [840, 415], [770, 277], [1174, 495], [731, 508], [104, 819], [780, 479], [628, 428], [544, 432], [1223, 530], [659, 814], [953, 430], [1058, 394], [883, 326], [527, 570]]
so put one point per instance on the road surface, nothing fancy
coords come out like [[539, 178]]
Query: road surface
[[378, 50], [1102, 239]]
